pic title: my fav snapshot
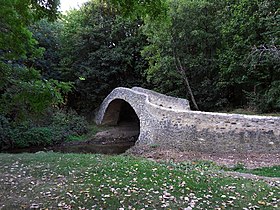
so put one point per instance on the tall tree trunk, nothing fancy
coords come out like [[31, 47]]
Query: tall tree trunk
[[180, 68]]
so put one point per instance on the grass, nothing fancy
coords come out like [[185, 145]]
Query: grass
[[273, 171], [87, 181], [92, 130], [250, 112]]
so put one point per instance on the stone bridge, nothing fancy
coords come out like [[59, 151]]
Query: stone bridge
[[168, 121]]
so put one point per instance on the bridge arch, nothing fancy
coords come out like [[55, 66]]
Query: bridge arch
[[119, 99], [119, 112]]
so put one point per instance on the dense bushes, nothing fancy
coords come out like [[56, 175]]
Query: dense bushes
[[5, 132], [54, 129], [24, 136], [68, 124]]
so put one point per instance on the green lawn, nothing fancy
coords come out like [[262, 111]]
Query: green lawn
[[273, 171], [87, 181]]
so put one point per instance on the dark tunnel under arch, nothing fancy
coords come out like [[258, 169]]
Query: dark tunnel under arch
[[121, 115], [118, 112]]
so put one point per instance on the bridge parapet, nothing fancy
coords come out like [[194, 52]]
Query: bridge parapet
[[165, 101]]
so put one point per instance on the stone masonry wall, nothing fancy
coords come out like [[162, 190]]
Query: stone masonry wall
[[171, 123], [164, 100]]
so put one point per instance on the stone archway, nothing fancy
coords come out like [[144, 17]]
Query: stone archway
[[119, 111], [120, 114]]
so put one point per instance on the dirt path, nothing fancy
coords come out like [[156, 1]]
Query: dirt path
[[274, 181], [123, 132], [250, 160]]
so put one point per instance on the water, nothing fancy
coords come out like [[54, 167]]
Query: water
[[117, 148], [79, 147], [116, 140]]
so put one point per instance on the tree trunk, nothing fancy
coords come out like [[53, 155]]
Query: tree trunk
[[180, 68], [182, 71]]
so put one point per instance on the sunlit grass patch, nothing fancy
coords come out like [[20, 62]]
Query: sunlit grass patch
[[273, 171], [92, 130], [73, 181]]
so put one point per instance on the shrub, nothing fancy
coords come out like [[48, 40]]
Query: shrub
[[65, 124], [71, 121], [5, 132], [266, 101], [55, 128], [27, 134], [37, 136]]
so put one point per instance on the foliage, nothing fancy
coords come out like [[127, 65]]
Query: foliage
[[228, 50], [219, 54], [101, 51], [91, 130], [5, 132], [192, 37], [26, 136], [249, 57], [54, 127], [65, 124], [266, 100], [16, 15], [135, 9], [45, 9], [24, 92], [46, 34]]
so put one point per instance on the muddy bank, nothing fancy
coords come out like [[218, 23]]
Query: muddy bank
[[114, 140], [122, 138]]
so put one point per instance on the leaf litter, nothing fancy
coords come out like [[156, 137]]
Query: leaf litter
[[86, 181]]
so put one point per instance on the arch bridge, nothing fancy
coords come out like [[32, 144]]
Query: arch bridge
[[168, 121]]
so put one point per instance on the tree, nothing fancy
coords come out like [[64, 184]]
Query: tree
[[225, 53], [25, 94], [23, 91], [249, 58], [46, 33], [16, 15], [183, 53], [139, 9], [101, 51]]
